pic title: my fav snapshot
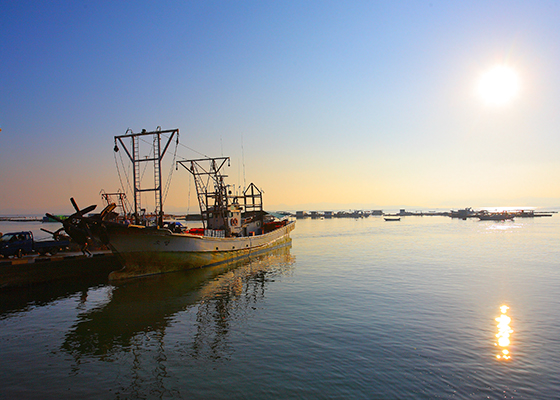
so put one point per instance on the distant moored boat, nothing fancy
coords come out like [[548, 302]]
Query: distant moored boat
[[497, 216]]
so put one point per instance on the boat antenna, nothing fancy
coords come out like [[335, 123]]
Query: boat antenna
[[243, 161]]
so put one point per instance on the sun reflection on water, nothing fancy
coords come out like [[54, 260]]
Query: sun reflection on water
[[503, 335]]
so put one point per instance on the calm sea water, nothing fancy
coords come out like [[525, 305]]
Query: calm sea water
[[360, 309]]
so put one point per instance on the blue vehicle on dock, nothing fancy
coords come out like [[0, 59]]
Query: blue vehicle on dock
[[20, 243]]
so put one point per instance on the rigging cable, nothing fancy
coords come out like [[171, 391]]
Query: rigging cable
[[148, 156], [168, 183], [120, 177], [189, 198], [193, 150]]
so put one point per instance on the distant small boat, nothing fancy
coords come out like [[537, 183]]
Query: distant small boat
[[463, 214], [500, 216], [392, 219], [59, 218]]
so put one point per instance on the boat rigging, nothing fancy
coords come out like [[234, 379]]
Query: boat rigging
[[234, 226], [130, 142]]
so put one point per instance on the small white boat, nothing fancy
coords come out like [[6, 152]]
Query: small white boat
[[497, 216]]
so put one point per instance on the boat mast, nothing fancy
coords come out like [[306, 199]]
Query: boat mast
[[253, 203], [133, 152], [210, 188]]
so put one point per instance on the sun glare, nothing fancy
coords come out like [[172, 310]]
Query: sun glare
[[504, 333], [498, 86]]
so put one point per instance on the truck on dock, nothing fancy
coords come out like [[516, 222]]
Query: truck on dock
[[19, 243]]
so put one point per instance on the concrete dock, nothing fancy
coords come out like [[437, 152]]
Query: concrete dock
[[34, 270]]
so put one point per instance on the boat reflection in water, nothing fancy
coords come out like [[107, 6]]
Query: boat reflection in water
[[140, 310], [503, 335]]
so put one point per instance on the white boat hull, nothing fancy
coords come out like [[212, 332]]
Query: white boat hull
[[145, 251]]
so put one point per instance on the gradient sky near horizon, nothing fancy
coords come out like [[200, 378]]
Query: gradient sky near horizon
[[322, 104]]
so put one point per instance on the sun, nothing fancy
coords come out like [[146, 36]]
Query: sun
[[498, 86]]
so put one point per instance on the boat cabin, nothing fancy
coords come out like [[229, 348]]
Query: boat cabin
[[218, 220], [235, 222], [225, 214]]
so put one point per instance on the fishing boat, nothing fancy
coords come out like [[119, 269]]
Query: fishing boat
[[495, 216], [234, 226], [146, 251], [463, 213]]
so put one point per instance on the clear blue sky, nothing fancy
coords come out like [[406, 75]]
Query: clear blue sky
[[328, 104]]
